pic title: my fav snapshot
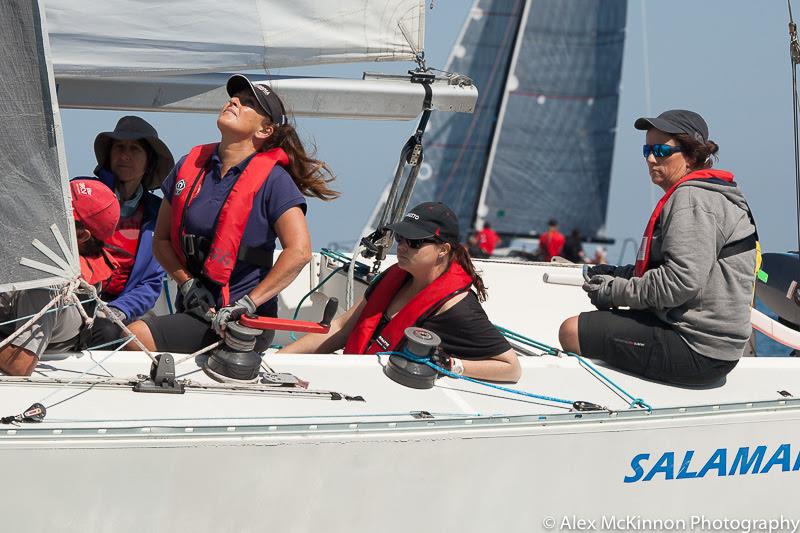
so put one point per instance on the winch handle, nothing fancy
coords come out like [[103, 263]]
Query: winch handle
[[286, 324]]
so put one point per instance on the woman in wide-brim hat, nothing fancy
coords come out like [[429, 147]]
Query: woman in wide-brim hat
[[132, 161]]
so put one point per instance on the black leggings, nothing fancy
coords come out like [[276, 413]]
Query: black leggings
[[639, 343]]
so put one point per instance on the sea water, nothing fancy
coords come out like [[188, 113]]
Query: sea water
[[766, 347]]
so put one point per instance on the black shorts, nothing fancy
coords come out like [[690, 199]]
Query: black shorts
[[185, 333], [639, 343]]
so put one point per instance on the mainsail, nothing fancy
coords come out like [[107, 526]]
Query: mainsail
[[38, 244], [136, 37], [540, 143]]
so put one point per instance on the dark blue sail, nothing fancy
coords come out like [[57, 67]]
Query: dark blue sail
[[540, 144]]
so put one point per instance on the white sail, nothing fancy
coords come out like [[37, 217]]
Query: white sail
[[38, 245], [119, 37]]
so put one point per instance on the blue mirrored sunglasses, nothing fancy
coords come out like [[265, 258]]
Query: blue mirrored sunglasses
[[414, 244], [660, 150]]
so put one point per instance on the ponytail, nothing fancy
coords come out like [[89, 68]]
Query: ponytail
[[311, 175], [459, 254]]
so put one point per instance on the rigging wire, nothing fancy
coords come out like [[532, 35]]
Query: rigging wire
[[794, 55]]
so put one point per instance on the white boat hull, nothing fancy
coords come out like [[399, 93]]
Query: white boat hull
[[458, 457]]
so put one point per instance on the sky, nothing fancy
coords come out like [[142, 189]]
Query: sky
[[726, 59]]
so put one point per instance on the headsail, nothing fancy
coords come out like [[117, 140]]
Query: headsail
[[38, 246], [126, 37], [541, 140]]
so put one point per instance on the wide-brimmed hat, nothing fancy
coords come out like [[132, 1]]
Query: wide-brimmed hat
[[132, 128], [429, 219], [269, 101]]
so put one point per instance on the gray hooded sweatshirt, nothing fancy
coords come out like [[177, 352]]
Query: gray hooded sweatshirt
[[705, 298]]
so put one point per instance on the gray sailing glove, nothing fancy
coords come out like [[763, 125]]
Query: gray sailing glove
[[624, 271], [242, 306], [197, 300], [599, 290]]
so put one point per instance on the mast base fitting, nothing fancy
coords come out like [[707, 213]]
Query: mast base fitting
[[235, 360], [421, 343]]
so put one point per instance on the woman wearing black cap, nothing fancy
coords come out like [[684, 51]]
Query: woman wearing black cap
[[690, 290], [431, 287], [131, 161], [226, 204]]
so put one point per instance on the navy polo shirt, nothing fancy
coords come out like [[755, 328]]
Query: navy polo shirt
[[277, 194]]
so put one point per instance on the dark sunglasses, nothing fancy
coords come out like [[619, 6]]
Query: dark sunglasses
[[660, 150], [414, 244]]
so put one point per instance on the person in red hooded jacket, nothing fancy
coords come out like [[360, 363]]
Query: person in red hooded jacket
[[96, 212]]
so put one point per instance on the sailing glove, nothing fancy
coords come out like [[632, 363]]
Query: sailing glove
[[624, 271], [242, 306], [197, 300], [599, 290], [447, 362]]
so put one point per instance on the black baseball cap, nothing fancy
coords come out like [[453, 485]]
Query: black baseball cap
[[269, 101], [429, 219], [676, 121]]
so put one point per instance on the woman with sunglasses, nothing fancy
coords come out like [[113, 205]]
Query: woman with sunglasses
[[434, 285], [225, 206], [690, 290]]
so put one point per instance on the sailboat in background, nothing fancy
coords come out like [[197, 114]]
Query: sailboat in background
[[541, 140], [344, 452]]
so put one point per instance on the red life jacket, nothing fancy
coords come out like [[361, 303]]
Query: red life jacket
[[97, 270], [123, 246], [452, 282], [643, 257], [232, 218]]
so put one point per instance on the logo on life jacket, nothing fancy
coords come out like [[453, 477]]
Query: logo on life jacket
[[179, 187], [232, 218]]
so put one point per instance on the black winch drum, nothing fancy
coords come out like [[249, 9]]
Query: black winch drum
[[421, 343]]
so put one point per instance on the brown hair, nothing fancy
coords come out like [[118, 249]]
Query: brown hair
[[459, 254], [91, 248], [701, 153], [311, 175]]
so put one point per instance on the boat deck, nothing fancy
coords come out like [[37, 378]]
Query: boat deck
[[88, 402]]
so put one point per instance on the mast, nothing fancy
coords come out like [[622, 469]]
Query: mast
[[479, 213]]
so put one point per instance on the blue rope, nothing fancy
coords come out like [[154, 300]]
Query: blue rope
[[167, 296], [634, 402], [51, 310], [427, 361]]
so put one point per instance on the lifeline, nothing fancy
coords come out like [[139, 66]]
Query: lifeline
[[745, 460]]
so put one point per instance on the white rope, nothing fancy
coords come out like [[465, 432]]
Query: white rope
[[348, 294], [198, 352], [58, 297], [113, 317], [98, 363]]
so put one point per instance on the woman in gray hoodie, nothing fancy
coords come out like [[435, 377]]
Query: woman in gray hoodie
[[689, 293]]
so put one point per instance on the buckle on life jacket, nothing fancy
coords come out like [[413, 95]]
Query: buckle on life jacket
[[195, 249]]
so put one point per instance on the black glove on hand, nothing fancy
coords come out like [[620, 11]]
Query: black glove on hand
[[599, 290], [441, 359], [197, 300], [231, 313], [624, 271]]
